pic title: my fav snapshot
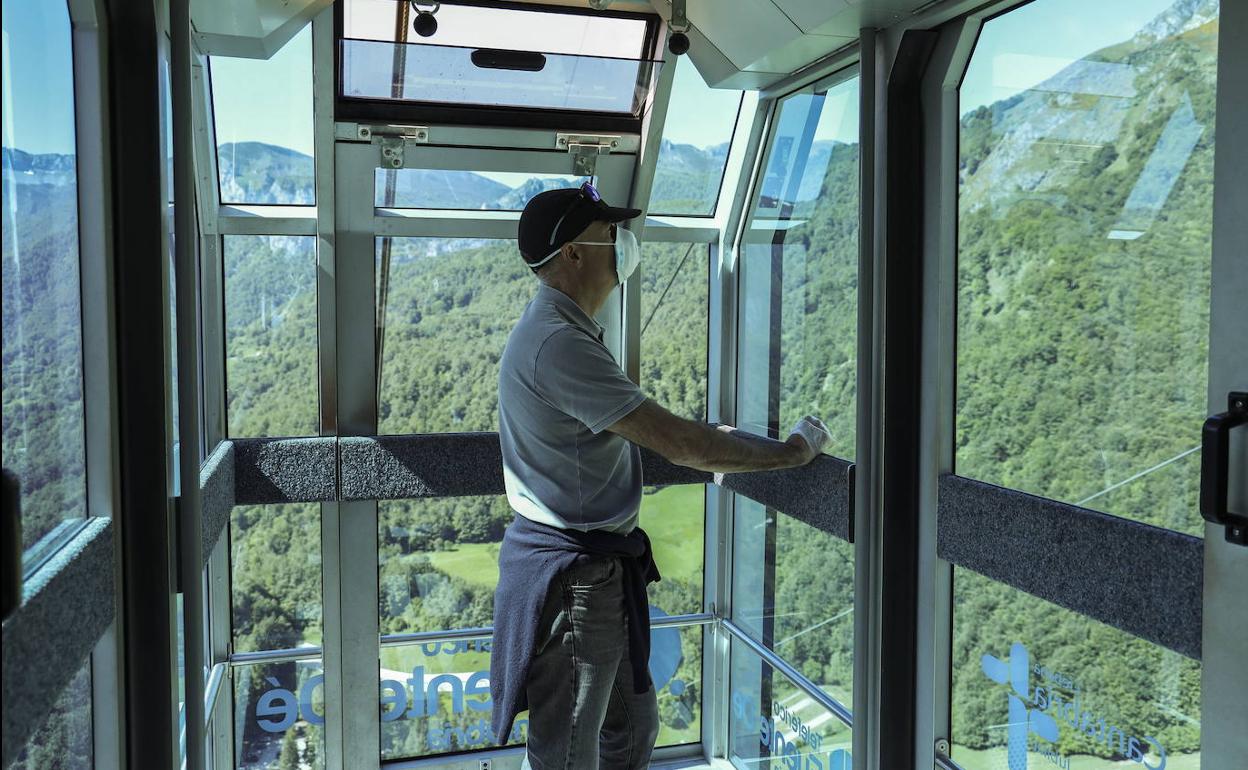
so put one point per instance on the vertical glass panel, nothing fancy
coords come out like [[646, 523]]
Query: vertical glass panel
[[793, 590], [275, 576], [1035, 685], [1084, 228], [799, 298], [449, 305], [694, 151], [674, 307], [435, 697], [263, 119], [773, 725], [64, 742], [438, 562], [674, 297], [423, 188], [270, 335], [279, 716], [43, 417]]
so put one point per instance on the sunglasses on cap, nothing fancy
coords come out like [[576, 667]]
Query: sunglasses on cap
[[587, 192]]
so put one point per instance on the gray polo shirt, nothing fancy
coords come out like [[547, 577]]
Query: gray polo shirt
[[558, 390]]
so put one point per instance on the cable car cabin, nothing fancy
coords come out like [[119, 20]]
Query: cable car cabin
[[364, 362]]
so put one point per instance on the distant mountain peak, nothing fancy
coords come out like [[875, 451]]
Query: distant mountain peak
[[1184, 15]]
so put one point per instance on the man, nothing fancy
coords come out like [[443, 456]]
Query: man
[[571, 624]]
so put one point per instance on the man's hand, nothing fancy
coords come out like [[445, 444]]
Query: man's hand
[[721, 449], [810, 435]]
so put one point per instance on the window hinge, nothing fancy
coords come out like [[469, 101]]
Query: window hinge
[[585, 149]]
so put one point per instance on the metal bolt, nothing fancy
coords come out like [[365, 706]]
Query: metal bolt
[[364, 132], [563, 140], [615, 143], [942, 747]]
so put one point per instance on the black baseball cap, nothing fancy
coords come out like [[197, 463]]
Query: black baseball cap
[[552, 218]]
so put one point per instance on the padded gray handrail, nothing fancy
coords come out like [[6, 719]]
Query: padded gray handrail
[[285, 470], [819, 494], [1141, 579], [68, 604], [452, 465], [216, 495]]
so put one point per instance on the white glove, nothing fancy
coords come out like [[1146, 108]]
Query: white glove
[[814, 431]]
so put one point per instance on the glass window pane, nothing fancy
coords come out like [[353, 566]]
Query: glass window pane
[[528, 29], [675, 282], [279, 716], [799, 298], [696, 137], [435, 697], [476, 190], [450, 305], [64, 742], [270, 335], [1084, 228], [400, 71], [674, 297], [438, 562], [275, 576], [1033, 679], [773, 725], [43, 416], [793, 590], [263, 119]]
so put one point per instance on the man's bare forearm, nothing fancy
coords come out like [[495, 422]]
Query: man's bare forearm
[[724, 450]]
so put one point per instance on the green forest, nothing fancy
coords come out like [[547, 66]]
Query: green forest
[[1082, 321]]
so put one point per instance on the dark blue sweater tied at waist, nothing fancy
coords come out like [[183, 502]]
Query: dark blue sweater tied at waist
[[531, 557]]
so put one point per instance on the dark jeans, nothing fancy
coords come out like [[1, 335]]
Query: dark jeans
[[583, 714]]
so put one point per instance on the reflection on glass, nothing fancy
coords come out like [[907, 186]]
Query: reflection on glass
[[799, 298], [773, 725], [694, 150], [279, 716], [450, 75], [449, 305], [793, 590], [435, 697], [263, 118], [1084, 229], [275, 576], [43, 417], [270, 335], [442, 189], [64, 741], [1031, 678]]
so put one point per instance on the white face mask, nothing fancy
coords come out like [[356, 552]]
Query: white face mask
[[627, 253]]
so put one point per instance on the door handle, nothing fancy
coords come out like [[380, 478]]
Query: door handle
[[1215, 453]]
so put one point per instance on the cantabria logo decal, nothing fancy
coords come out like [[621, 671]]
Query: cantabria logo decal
[[1023, 721]]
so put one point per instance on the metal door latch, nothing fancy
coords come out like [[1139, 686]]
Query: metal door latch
[[394, 141], [585, 149]]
